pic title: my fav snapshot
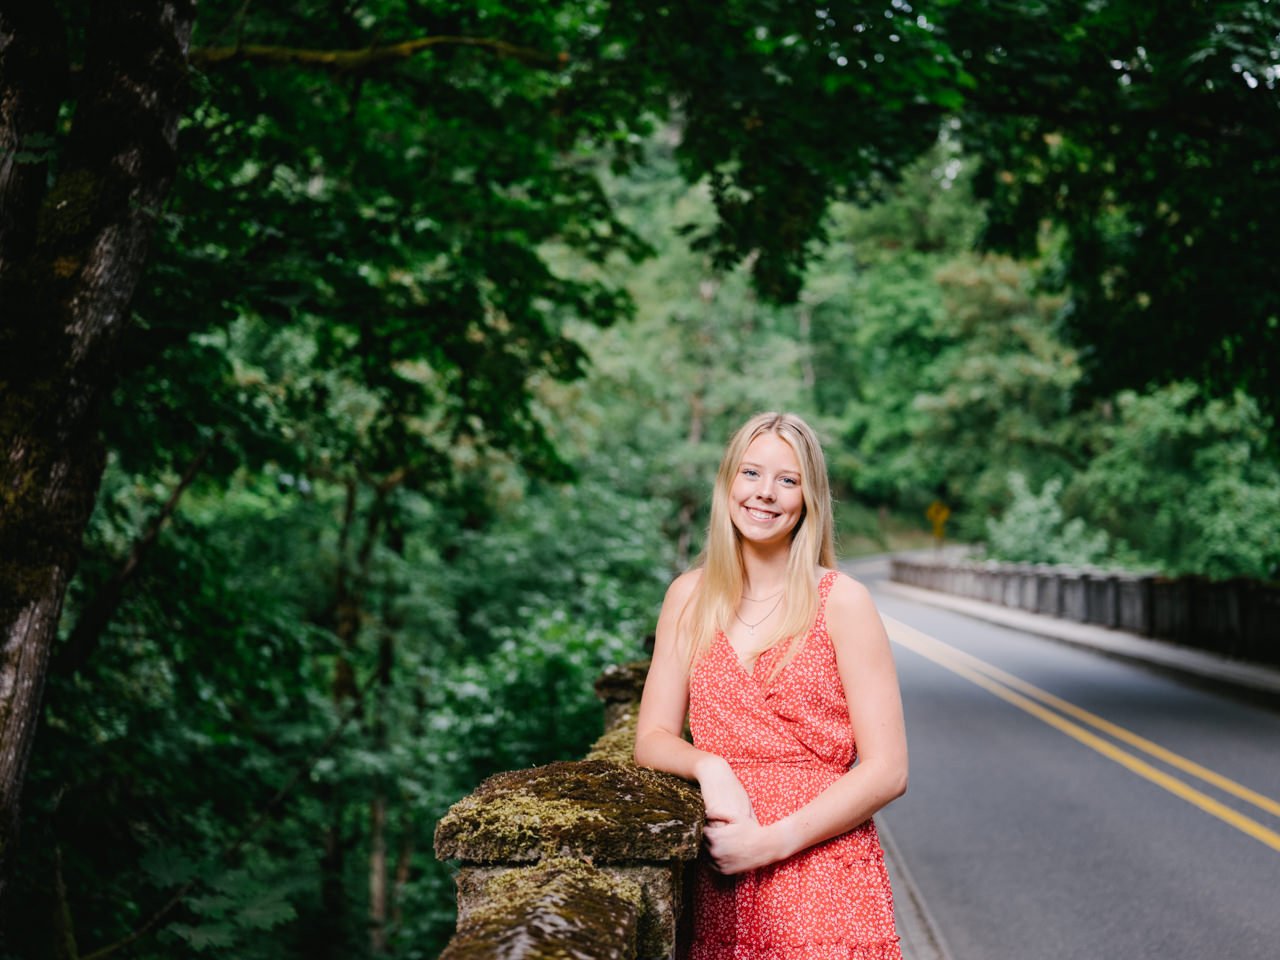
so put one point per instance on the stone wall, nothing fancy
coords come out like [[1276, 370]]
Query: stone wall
[[1235, 618], [585, 858]]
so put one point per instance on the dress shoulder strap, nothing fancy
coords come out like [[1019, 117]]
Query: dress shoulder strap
[[825, 584], [824, 590]]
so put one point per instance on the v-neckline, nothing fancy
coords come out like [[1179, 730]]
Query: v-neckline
[[750, 673], [746, 671]]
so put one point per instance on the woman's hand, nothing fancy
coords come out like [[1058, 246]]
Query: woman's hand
[[742, 845], [736, 842]]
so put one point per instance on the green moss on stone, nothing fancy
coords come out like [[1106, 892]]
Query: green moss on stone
[[619, 742], [597, 809], [562, 908], [522, 883]]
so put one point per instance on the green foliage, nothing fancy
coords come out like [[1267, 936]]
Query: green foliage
[[1176, 482], [873, 80], [240, 908], [1190, 484], [941, 366], [1033, 529], [591, 552], [994, 397], [702, 354], [195, 708], [156, 759], [529, 702], [1148, 134]]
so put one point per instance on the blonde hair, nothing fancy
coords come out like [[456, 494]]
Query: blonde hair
[[715, 599]]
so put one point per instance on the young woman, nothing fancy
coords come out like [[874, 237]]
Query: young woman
[[783, 669]]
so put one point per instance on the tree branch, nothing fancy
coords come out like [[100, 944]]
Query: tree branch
[[99, 611], [374, 56]]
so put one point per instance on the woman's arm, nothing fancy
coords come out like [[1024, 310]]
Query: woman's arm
[[870, 680], [660, 741]]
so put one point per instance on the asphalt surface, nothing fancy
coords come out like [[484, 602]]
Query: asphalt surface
[[1065, 804]]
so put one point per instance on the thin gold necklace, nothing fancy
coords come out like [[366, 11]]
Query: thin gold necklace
[[751, 627], [761, 599]]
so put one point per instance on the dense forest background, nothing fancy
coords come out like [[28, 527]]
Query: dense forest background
[[433, 357]]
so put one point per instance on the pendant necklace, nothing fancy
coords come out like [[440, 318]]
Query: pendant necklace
[[751, 627]]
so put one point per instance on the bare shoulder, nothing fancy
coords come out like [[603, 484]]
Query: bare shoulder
[[852, 617], [849, 597], [678, 596], [684, 585]]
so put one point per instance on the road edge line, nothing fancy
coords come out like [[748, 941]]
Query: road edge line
[[915, 923]]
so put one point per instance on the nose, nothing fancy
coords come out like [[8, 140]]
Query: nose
[[766, 494]]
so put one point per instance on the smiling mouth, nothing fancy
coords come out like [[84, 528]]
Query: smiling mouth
[[761, 514]]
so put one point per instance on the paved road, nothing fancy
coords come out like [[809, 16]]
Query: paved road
[[1072, 818]]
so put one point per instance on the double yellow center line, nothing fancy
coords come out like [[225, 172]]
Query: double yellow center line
[[1062, 715]]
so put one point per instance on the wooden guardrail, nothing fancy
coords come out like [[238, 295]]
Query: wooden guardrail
[[1236, 618]]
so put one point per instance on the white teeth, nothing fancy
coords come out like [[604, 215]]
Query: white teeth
[[760, 514]]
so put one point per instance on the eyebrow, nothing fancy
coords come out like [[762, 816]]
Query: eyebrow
[[752, 463]]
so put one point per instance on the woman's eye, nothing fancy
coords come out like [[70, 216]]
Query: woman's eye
[[748, 472], [790, 481]]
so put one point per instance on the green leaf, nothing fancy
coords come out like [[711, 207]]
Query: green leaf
[[206, 936], [267, 912], [167, 866], [212, 905]]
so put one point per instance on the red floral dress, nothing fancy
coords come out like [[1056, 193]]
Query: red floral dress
[[787, 739]]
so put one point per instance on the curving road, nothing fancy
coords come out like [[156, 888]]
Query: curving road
[[1065, 805]]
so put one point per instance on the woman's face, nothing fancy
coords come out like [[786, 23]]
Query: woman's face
[[766, 501]]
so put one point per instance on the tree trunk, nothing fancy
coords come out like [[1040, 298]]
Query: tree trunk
[[804, 317], [70, 258], [684, 524], [378, 892], [404, 867], [347, 614], [64, 931], [378, 874], [331, 940]]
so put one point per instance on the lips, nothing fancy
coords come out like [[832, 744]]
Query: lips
[[761, 515]]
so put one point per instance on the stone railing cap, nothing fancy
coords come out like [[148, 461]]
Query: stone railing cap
[[602, 811]]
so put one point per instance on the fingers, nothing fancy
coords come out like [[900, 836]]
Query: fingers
[[718, 838], [711, 842]]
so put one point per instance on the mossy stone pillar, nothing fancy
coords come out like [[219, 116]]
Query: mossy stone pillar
[[558, 908], [620, 687], [636, 826]]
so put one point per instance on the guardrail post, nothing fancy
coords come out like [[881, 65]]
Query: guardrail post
[[1133, 603], [1048, 590], [1073, 602], [1100, 598]]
